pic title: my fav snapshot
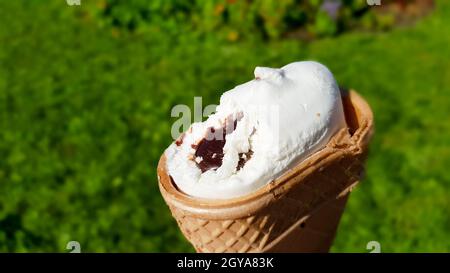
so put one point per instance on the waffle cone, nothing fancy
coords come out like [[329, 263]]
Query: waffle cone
[[297, 212]]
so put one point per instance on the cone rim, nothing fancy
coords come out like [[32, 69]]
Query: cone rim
[[358, 113]]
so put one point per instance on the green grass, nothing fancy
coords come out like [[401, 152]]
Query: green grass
[[85, 115]]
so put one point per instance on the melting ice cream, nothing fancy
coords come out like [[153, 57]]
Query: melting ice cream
[[259, 130]]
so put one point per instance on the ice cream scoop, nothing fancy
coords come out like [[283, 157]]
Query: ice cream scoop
[[260, 129]]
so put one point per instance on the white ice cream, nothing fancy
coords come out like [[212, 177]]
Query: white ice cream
[[284, 115]]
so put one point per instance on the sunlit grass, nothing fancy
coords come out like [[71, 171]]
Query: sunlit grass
[[85, 115]]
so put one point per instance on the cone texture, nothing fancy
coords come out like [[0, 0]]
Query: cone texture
[[298, 212]]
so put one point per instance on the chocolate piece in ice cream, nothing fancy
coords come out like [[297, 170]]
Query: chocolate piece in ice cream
[[209, 151], [243, 158]]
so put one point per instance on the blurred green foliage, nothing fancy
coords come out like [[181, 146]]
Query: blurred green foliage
[[233, 19], [85, 114]]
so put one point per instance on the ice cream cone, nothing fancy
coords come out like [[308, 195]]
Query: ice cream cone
[[298, 212]]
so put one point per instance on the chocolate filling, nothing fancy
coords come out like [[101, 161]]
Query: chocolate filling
[[209, 151], [243, 158]]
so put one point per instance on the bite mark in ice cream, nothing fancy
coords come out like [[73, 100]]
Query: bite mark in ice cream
[[259, 130], [210, 148]]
